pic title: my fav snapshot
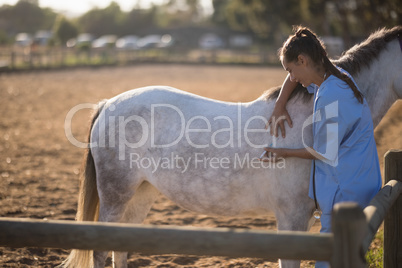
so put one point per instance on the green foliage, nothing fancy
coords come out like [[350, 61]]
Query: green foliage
[[139, 21], [4, 39], [178, 13], [266, 19], [102, 21], [25, 16], [375, 254], [111, 20], [375, 258], [269, 21], [64, 29]]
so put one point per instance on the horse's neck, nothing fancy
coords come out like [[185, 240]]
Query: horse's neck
[[379, 96], [376, 83]]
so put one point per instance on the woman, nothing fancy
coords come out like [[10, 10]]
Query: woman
[[345, 162]]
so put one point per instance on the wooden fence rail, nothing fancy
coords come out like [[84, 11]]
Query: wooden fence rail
[[353, 231], [376, 211], [18, 58], [164, 239]]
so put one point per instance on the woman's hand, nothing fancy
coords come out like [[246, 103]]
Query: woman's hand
[[274, 154], [280, 114], [277, 120]]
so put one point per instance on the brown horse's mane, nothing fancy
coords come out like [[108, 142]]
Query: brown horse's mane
[[353, 60]]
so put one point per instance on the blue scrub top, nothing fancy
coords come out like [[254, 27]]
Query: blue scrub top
[[343, 135]]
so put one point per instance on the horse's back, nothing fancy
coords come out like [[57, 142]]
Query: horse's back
[[157, 95]]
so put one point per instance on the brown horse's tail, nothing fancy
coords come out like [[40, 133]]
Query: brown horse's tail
[[88, 201]]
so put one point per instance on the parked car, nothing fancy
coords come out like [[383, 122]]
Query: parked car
[[211, 41], [43, 37], [23, 39], [105, 41], [84, 39], [240, 41], [127, 42], [155, 41]]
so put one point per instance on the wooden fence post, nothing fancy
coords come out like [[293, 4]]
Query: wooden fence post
[[393, 220], [12, 61], [349, 228]]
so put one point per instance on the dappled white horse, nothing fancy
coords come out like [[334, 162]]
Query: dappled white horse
[[203, 154]]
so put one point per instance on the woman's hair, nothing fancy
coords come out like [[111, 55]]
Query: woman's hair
[[304, 41]]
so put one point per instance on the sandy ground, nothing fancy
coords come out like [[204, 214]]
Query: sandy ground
[[39, 168]]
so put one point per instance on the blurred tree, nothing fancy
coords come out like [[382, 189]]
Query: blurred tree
[[193, 8], [267, 19], [319, 16], [176, 13], [103, 21], [218, 15], [33, 2], [25, 16], [64, 30], [139, 21], [355, 19], [373, 14], [271, 19], [4, 39]]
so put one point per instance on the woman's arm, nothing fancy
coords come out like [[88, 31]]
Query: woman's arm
[[276, 153], [280, 114]]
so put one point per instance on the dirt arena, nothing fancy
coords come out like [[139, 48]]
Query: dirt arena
[[39, 167]]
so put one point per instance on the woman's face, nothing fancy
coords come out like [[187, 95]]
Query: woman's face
[[299, 70]]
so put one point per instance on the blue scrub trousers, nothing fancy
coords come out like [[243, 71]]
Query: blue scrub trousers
[[325, 228]]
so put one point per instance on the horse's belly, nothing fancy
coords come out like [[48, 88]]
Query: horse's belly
[[216, 194]]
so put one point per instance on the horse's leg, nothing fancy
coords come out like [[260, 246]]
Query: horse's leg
[[136, 211], [107, 213], [112, 204], [298, 218], [117, 195]]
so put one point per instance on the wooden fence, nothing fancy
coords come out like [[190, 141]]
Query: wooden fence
[[353, 231], [26, 58]]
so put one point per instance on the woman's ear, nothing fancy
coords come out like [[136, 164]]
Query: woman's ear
[[301, 59]]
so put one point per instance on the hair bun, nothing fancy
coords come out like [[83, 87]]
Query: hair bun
[[299, 31]]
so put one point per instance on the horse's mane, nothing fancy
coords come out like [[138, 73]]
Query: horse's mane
[[363, 54], [353, 60], [299, 91]]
